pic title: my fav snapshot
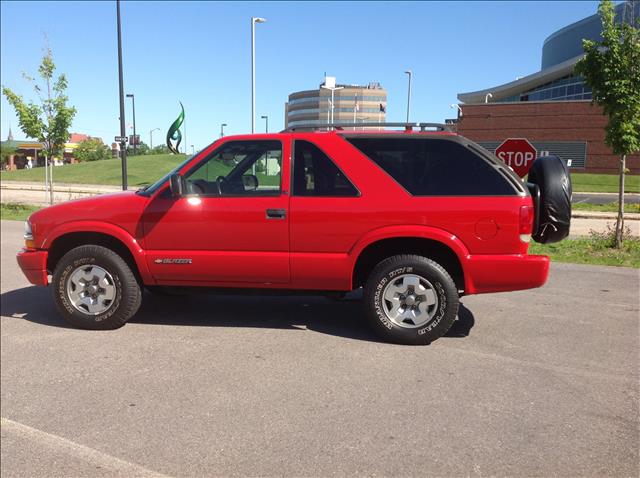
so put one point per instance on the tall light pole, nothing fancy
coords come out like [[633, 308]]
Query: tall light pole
[[254, 20], [123, 131], [266, 125], [408, 72], [151, 137], [332, 89], [459, 109], [222, 129], [133, 104]]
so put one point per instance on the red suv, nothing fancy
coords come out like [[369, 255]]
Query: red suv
[[415, 217]]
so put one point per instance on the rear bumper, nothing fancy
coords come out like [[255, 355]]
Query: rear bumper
[[34, 266], [501, 273]]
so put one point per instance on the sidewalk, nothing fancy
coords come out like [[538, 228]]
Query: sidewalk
[[34, 193]]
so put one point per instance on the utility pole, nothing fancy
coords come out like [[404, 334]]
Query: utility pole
[[408, 72], [254, 20], [123, 131], [151, 137], [133, 104]]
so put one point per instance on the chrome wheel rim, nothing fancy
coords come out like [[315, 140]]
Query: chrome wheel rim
[[91, 289], [409, 301]]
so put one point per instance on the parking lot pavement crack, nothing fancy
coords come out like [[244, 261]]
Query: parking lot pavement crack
[[117, 466], [554, 368]]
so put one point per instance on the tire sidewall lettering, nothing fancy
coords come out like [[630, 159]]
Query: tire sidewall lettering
[[378, 300], [61, 289]]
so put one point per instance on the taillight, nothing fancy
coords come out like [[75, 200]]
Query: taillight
[[526, 222]]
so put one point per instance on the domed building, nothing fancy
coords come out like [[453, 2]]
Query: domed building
[[552, 107]]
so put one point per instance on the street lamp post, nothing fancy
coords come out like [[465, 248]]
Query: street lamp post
[[266, 125], [487, 96], [133, 104], [222, 129], [458, 108], [123, 132], [192, 150], [254, 20], [332, 89], [151, 137], [408, 72]]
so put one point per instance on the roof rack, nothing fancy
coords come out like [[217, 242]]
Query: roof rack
[[341, 126]]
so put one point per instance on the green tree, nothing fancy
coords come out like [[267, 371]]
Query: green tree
[[92, 149], [161, 149], [5, 152], [611, 68], [141, 149], [49, 119]]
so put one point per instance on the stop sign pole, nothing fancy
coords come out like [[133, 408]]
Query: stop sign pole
[[518, 153]]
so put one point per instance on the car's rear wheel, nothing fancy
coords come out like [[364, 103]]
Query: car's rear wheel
[[94, 288], [410, 299]]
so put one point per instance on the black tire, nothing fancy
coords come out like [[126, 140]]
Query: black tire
[[553, 209], [127, 298], [444, 311]]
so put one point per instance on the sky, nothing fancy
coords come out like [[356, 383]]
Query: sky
[[199, 53]]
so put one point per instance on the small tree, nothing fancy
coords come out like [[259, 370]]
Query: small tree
[[48, 120], [92, 149], [142, 148], [161, 149], [5, 152], [612, 69]]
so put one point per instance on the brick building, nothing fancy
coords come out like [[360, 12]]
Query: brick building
[[552, 107]]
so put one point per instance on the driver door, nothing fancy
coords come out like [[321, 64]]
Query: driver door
[[231, 227]]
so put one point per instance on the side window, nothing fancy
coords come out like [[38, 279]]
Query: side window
[[239, 168], [434, 167], [315, 174]]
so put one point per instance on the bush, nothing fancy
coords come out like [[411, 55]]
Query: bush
[[92, 149]]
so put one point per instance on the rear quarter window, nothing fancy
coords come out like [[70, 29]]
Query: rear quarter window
[[434, 167]]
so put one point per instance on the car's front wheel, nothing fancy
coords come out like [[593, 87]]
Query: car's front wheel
[[94, 288], [410, 299]]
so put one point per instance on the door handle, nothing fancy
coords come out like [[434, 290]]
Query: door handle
[[276, 213]]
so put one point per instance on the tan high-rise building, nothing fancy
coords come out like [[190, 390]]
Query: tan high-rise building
[[352, 104]]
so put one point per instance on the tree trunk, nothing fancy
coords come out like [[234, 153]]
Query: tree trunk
[[52, 162], [620, 220]]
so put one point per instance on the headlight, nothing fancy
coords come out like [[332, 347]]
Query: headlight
[[28, 236]]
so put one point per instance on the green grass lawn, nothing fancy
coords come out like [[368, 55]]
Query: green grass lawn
[[611, 207], [16, 212], [603, 183], [590, 251], [141, 170]]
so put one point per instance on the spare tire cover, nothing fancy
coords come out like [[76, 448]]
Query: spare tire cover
[[552, 176]]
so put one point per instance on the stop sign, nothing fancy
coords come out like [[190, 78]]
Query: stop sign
[[517, 153]]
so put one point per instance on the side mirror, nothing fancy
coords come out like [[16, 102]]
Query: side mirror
[[250, 182], [177, 185]]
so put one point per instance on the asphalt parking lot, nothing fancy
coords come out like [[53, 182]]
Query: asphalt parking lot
[[534, 383]]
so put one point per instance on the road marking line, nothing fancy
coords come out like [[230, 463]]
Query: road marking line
[[90, 455]]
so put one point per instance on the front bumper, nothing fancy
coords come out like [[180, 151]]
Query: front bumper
[[501, 273], [34, 265]]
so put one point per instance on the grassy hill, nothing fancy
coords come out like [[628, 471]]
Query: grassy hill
[[144, 170], [141, 170]]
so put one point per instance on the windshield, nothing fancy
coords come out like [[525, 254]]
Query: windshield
[[152, 188]]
